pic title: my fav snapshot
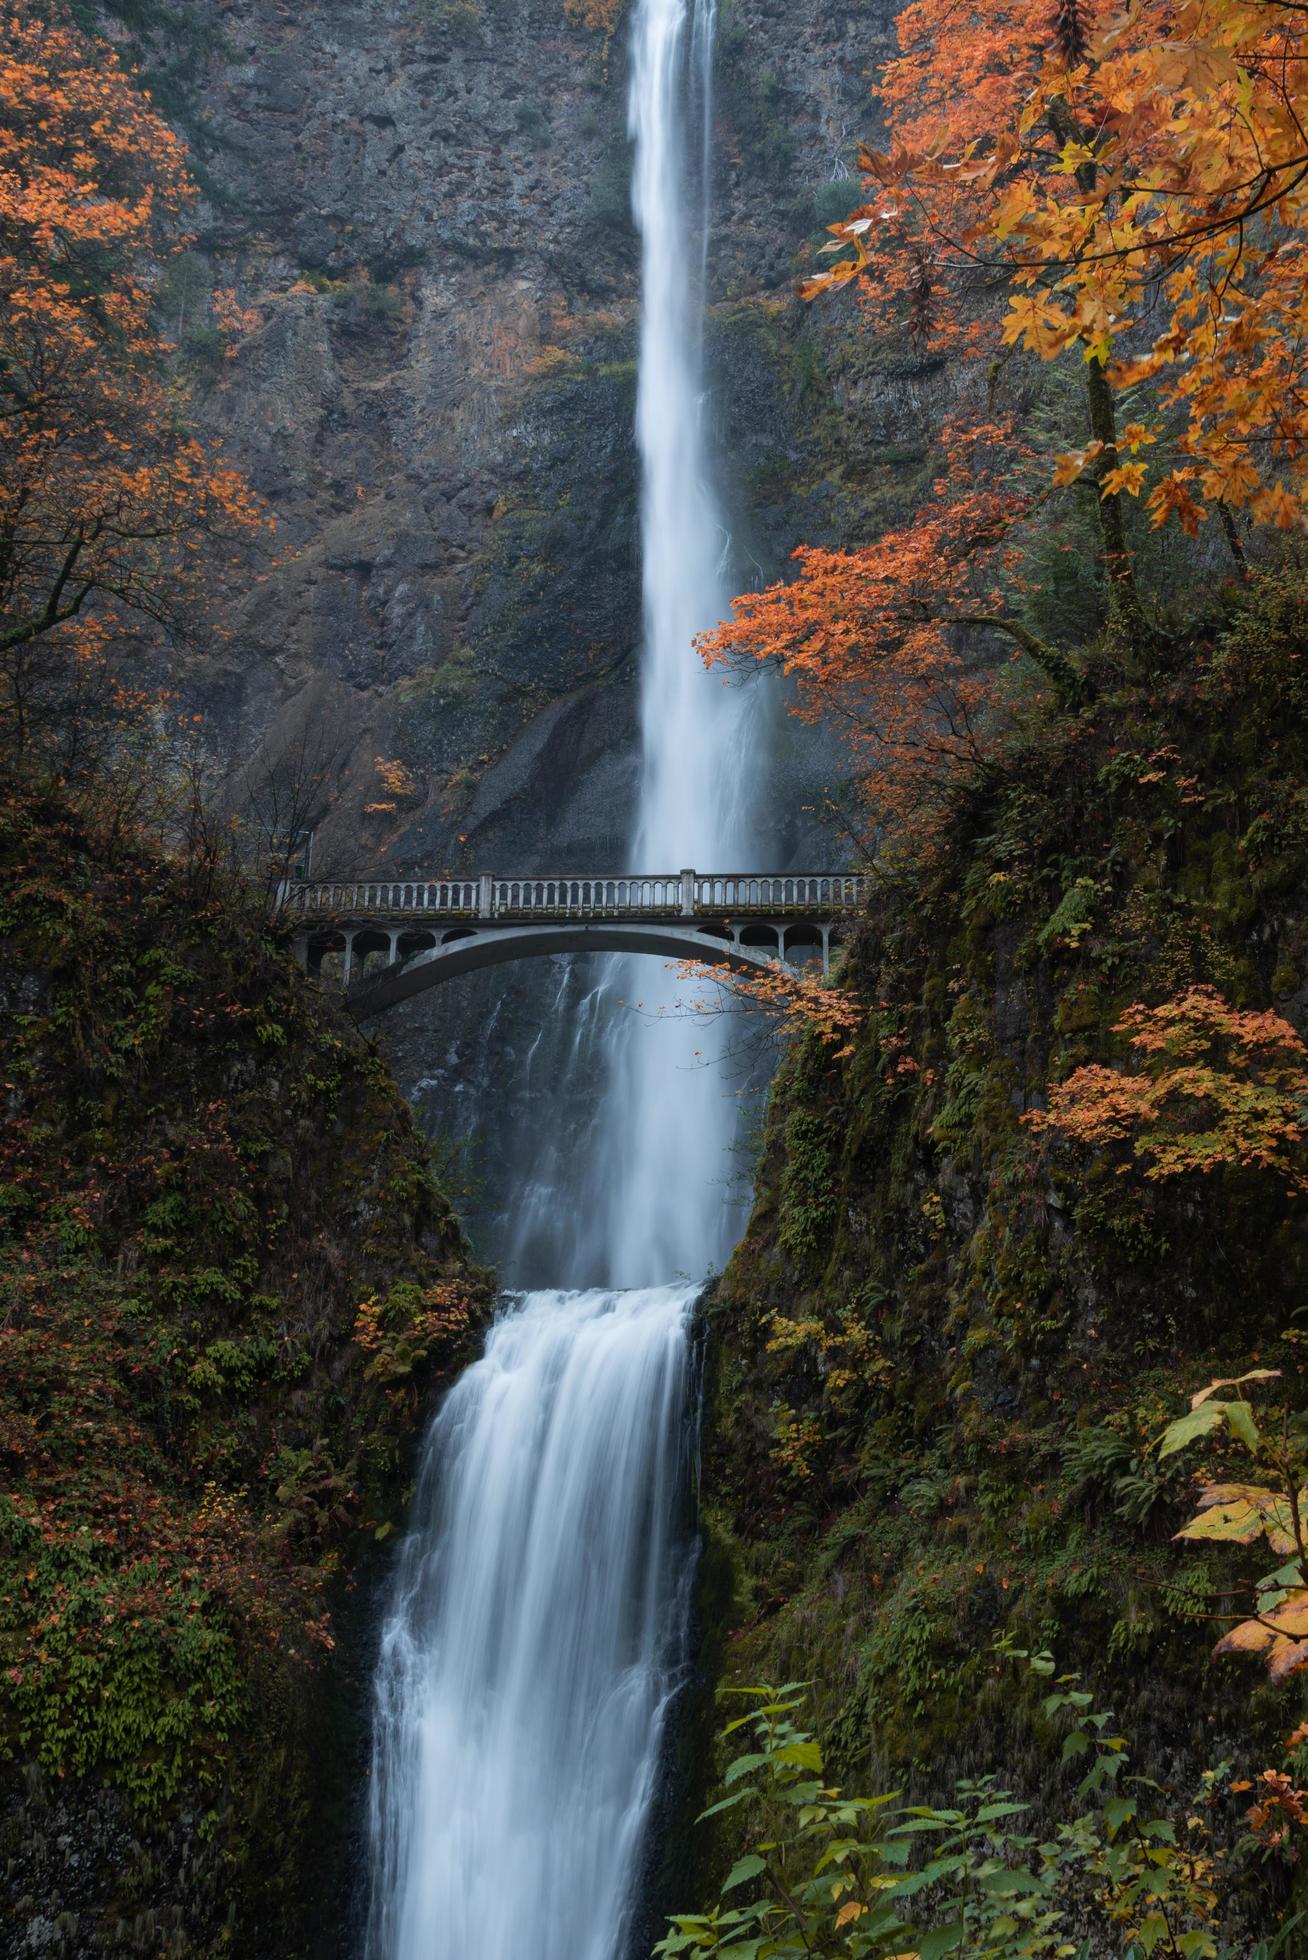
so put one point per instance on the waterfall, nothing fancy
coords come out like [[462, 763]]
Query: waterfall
[[670, 1115], [536, 1630], [534, 1637]]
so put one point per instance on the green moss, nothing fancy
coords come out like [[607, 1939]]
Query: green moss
[[1033, 1317], [808, 1187], [210, 1177]]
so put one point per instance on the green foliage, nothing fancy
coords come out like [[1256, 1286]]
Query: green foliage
[[809, 1195], [455, 1168], [991, 1463], [203, 1174], [835, 200], [1240, 1513], [823, 1872], [460, 19], [360, 301]]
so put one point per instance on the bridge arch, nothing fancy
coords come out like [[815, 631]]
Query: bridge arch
[[466, 950]]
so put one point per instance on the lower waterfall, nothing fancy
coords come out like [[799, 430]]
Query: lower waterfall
[[534, 1638]]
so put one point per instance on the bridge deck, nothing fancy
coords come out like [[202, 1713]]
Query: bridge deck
[[491, 900]]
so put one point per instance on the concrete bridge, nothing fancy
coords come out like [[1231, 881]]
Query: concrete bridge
[[396, 937]]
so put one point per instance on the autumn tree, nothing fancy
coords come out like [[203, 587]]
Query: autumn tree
[[1133, 183], [106, 501], [1121, 187], [882, 639]]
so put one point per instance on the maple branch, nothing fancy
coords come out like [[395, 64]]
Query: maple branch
[[54, 612], [1070, 684]]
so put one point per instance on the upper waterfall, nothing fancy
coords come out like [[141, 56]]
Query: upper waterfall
[[671, 1115], [694, 775]]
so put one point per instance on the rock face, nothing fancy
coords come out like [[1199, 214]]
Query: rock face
[[425, 202], [426, 205]]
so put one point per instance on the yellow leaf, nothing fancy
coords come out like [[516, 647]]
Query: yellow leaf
[[1248, 1638], [1291, 1616], [1240, 1513], [1072, 156], [825, 282], [1126, 476], [1234, 1381], [1286, 1658], [1068, 466]]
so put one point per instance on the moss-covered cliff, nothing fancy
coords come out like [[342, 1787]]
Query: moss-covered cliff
[[228, 1287], [944, 1348]]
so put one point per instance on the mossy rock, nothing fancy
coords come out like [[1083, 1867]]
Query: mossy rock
[[221, 1231]]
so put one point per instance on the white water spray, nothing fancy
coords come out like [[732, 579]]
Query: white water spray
[[535, 1637], [537, 1627]]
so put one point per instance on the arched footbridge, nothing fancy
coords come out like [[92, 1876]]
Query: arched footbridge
[[388, 940]]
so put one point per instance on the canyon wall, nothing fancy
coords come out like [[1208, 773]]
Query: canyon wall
[[423, 207]]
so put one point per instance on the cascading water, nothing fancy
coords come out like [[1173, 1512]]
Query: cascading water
[[537, 1627], [669, 1117], [535, 1637]]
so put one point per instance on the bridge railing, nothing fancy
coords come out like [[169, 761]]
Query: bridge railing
[[584, 898], [806, 892], [454, 896], [688, 894]]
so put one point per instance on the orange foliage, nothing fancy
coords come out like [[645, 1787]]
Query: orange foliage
[[1135, 180], [1122, 185], [1279, 1816], [400, 1333], [597, 16], [873, 635], [235, 322], [398, 786], [798, 1002], [1215, 1088], [103, 496]]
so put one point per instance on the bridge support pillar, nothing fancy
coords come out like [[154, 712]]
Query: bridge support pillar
[[484, 895], [687, 894]]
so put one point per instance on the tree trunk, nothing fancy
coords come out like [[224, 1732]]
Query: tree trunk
[[1069, 682], [1125, 613]]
